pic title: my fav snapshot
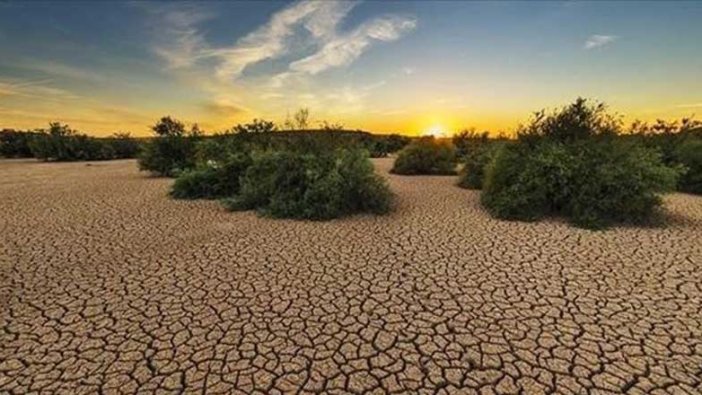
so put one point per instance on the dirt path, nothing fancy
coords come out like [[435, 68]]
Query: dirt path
[[106, 285]]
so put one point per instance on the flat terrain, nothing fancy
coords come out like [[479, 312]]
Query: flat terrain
[[107, 285]]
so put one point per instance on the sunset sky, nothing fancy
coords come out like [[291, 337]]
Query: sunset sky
[[384, 66]]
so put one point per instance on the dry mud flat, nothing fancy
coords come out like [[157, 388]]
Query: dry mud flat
[[108, 286]]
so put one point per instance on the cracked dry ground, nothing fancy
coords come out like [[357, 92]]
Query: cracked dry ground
[[109, 286]]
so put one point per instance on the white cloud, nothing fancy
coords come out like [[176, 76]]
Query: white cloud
[[40, 89], [344, 49], [184, 44], [598, 40], [319, 19]]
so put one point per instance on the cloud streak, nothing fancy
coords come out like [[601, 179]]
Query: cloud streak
[[344, 49], [318, 20], [598, 41]]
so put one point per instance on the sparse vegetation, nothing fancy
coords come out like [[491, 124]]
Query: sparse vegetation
[[16, 143], [316, 175], [172, 150], [475, 161], [689, 154], [571, 163], [61, 143], [680, 143], [287, 184], [212, 179], [124, 146], [474, 151], [426, 156]]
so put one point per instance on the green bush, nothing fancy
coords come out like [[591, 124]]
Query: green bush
[[15, 143], [527, 184], [616, 182], [212, 180], [123, 146], [689, 154], [475, 161], [171, 151], [573, 164], [61, 143], [288, 184], [426, 156], [680, 143]]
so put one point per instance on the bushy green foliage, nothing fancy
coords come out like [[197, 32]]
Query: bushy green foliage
[[171, 151], [468, 141], [123, 146], [526, 184], [15, 143], [475, 160], [576, 121], [380, 146], [587, 174], [679, 144], [212, 179], [616, 182], [689, 154], [61, 143], [319, 186], [426, 156]]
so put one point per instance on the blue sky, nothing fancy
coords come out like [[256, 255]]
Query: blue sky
[[381, 66]]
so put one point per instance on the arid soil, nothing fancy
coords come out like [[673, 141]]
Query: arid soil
[[109, 286]]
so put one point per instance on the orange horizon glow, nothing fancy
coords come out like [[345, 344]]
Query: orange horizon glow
[[439, 123], [385, 67]]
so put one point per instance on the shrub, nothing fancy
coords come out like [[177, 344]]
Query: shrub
[[171, 151], [474, 163], [577, 121], [616, 182], [288, 184], [689, 154], [61, 143], [15, 143], [256, 126], [426, 156], [571, 163], [468, 141], [380, 146], [212, 180], [527, 184], [123, 146]]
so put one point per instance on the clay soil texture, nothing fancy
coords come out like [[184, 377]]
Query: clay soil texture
[[109, 286]]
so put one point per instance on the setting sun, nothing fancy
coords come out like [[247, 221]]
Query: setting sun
[[436, 131]]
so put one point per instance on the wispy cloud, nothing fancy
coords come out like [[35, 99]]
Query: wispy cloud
[[598, 40], [344, 49], [185, 43], [320, 21], [34, 89]]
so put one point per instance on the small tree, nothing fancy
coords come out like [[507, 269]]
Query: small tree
[[172, 150], [168, 126], [302, 117]]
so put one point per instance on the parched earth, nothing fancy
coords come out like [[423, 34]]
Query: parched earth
[[109, 286]]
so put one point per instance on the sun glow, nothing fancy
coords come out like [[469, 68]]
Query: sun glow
[[435, 131]]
